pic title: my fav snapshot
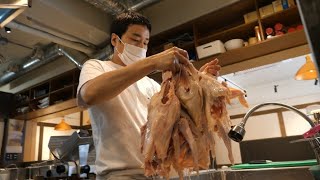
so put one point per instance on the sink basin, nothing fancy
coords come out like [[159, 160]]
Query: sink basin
[[287, 173]]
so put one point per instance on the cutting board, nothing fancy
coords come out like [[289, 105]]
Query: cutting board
[[276, 164]]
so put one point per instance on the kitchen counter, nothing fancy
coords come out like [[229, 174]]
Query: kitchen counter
[[287, 173]]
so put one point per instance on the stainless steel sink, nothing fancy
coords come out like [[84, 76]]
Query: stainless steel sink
[[288, 173]]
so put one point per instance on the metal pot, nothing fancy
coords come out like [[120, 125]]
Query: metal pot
[[4, 174]]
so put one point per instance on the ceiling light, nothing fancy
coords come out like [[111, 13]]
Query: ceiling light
[[8, 30], [62, 126], [307, 71]]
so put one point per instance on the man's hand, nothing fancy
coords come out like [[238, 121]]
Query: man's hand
[[169, 59], [211, 67]]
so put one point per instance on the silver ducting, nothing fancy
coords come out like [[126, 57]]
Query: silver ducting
[[114, 7], [143, 4], [31, 63], [70, 57], [38, 58], [78, 46]]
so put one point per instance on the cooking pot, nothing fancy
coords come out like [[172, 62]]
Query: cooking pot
[[4, 174]]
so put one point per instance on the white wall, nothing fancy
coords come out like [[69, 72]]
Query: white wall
[[295, 124]]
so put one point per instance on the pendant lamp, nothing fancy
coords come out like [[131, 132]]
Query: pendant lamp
[[62, 126], [307, 71]]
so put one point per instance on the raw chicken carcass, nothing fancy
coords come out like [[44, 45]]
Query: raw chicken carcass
[[215, 95], [190, 94], [183, 119], [163, 112]]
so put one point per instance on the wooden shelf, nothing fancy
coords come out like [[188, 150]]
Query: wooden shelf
[[48, 110], [242, 31], [287, 17], [187, 46], [269, 46], [57, 88], [220, 19], [275, 44], [62, 89], [40, 97]]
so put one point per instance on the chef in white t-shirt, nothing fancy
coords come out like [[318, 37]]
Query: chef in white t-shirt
[[117, 92]]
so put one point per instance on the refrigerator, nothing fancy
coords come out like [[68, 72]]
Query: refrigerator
[[11, 131]]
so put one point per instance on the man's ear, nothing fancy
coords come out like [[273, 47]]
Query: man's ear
[[114, 39]]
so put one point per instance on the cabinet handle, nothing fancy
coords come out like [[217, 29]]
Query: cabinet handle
[[207, 47]]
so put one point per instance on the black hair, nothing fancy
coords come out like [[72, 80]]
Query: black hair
[[121, 23]]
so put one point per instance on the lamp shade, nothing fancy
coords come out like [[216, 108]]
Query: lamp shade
[[62, 126], [307, 71]]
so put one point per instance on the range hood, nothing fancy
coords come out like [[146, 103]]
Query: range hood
[[9, 9]]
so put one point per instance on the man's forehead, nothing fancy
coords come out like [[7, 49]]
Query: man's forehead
[[138, 31]]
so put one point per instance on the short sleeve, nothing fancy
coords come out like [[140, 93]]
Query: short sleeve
[[90, 70]]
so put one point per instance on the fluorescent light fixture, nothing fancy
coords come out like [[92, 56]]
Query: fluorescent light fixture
[[30, 63], [11, 9], [8, 30]]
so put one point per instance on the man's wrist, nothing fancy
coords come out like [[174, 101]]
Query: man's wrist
[[150, 63]]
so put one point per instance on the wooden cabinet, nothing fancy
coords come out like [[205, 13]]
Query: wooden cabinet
[[228, 23], [48, 97]]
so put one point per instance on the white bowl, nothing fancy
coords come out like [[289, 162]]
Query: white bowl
[[234, 44]]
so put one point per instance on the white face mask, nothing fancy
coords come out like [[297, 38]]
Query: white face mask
[[131, 53]]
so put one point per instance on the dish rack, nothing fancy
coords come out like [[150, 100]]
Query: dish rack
[[315, 144]]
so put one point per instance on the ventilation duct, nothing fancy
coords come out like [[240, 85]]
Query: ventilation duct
[[114, 7], [143, 4], [51, 37], [38, 58], [70, 57]]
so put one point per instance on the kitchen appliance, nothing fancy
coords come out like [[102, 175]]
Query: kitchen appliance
[[6, 104], [75, 150], [211, 48], [13, 141]]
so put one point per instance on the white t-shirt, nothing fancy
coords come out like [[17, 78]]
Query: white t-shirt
[[116, 123]]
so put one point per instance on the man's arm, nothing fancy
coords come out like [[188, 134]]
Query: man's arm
[[110, 84]]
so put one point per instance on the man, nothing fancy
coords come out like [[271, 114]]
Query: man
[[118, 91]]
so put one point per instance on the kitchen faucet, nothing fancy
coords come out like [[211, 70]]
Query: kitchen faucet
[[237, 132]]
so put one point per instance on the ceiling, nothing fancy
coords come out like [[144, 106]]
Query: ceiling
[[63, 18], [72, 23]]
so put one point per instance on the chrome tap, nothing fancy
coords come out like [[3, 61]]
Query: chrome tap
[[237, 132]]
